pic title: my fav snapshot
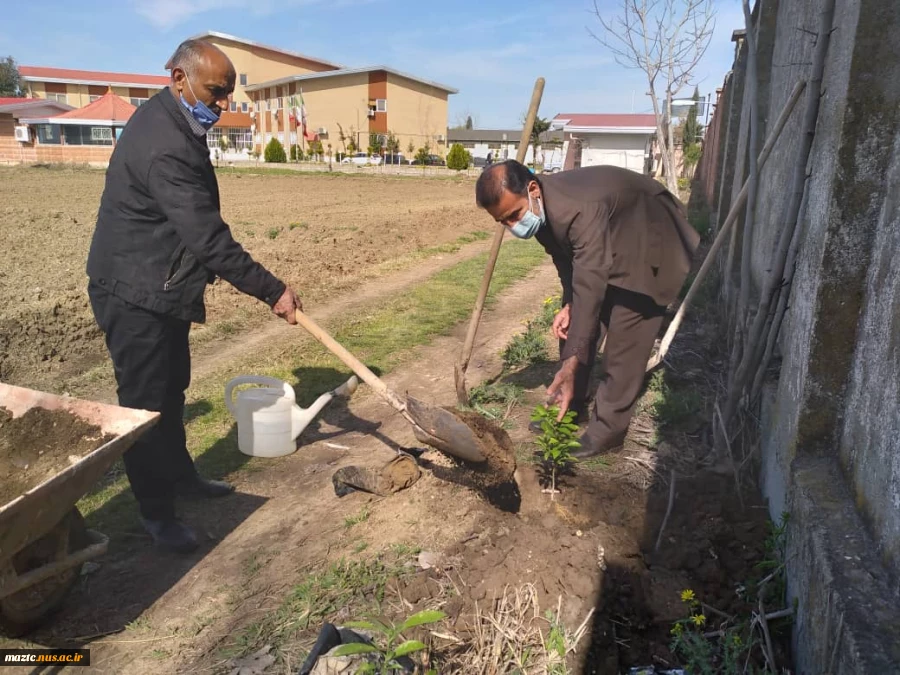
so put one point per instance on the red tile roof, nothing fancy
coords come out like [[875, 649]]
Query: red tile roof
[[107, 107], [14, 100], [602, 120], [234, 119], [94, 76]]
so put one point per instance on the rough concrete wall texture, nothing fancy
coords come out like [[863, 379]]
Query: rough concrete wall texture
[[830, 425], [870, 443], [780, 432]]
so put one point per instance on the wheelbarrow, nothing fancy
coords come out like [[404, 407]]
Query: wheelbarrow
[[43, 538]]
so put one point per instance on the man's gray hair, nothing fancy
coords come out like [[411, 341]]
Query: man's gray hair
[[188, 55]]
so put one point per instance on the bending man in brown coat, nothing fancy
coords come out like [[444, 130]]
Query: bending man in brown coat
[[622, 247]]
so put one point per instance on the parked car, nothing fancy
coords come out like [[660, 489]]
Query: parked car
[[430, 160], [361, 159], [394, 159]]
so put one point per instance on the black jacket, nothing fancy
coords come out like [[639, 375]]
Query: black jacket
[[160, 237]]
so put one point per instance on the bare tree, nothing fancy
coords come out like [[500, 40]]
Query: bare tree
[[666, 40]]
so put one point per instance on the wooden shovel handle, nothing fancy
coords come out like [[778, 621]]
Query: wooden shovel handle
[[352, 362], [466, 353]]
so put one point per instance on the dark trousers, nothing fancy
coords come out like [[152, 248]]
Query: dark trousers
[[152, 363], [631, 322]]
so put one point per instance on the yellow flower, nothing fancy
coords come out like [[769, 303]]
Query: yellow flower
[[699, 619], [677, 629], [687, 595]]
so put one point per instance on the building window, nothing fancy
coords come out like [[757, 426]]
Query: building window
[[243, 79], [381, 105], [233, 107], [243, 106], [239, 138], [84, 135], [93, 98], [59, 98], [48, 134], [213, 136], [136, 102], [101, 134], [276, 104]]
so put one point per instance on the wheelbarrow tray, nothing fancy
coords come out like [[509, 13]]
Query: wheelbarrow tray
[[29, 516]]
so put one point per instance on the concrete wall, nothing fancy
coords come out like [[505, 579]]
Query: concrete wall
[[830, 421], [625, 150]]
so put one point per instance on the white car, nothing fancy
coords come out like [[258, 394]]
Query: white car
[[361, 159]]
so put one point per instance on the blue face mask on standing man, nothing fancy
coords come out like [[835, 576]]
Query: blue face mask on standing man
[[530, 222], [201, 112]]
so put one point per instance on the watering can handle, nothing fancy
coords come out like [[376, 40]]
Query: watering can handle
[[353, 363], [254, 379]]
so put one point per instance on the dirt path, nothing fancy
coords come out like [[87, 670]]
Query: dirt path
[[588, 554], [284, 521]]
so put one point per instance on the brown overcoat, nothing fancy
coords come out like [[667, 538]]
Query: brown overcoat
[[611, 226]]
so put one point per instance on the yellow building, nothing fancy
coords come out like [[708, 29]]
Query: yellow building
[[353, 104], [354, 101], [78, 88]]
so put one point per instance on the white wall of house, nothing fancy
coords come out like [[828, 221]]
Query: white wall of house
[[628, 151], [481, 149]]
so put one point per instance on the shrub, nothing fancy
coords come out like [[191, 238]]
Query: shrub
[[275, 152], [422, 156], [458, 159], [296, 153]]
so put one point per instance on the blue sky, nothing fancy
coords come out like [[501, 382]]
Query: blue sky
[[491, 50]]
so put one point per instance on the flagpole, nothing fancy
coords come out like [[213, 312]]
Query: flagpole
[[302, 121]]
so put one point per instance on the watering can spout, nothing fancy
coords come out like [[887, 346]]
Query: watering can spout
[[301, 417]]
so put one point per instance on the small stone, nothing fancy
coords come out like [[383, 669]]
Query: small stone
[[429, 559], [579, 533]]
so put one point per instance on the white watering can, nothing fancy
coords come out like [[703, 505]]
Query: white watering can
[[268, 417]]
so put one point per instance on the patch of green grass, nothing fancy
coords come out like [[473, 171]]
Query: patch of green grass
[[526, 348], [360, 547], [404, 550], [254, 563], [495, 400], [530, 346], [382, 337], [357, 518], [139, 625], [357, 587], [294, 226], [670, 406], [273, 232]]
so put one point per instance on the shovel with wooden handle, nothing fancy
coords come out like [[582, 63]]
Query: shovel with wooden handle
[[435, 426], [462, 394]]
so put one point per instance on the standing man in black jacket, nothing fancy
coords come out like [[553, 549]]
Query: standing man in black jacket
[[160, 239]]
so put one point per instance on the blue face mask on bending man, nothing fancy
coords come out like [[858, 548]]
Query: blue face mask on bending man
[[201, 112], [530, 222]]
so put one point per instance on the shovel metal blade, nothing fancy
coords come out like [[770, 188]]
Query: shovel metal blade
[[445, 431]]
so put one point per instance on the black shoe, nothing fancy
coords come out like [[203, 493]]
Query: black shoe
[[201, 488], [171, 535], [590, 449]]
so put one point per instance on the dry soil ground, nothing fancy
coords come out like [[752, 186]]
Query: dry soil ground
[[323, 234], [285, 553]]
